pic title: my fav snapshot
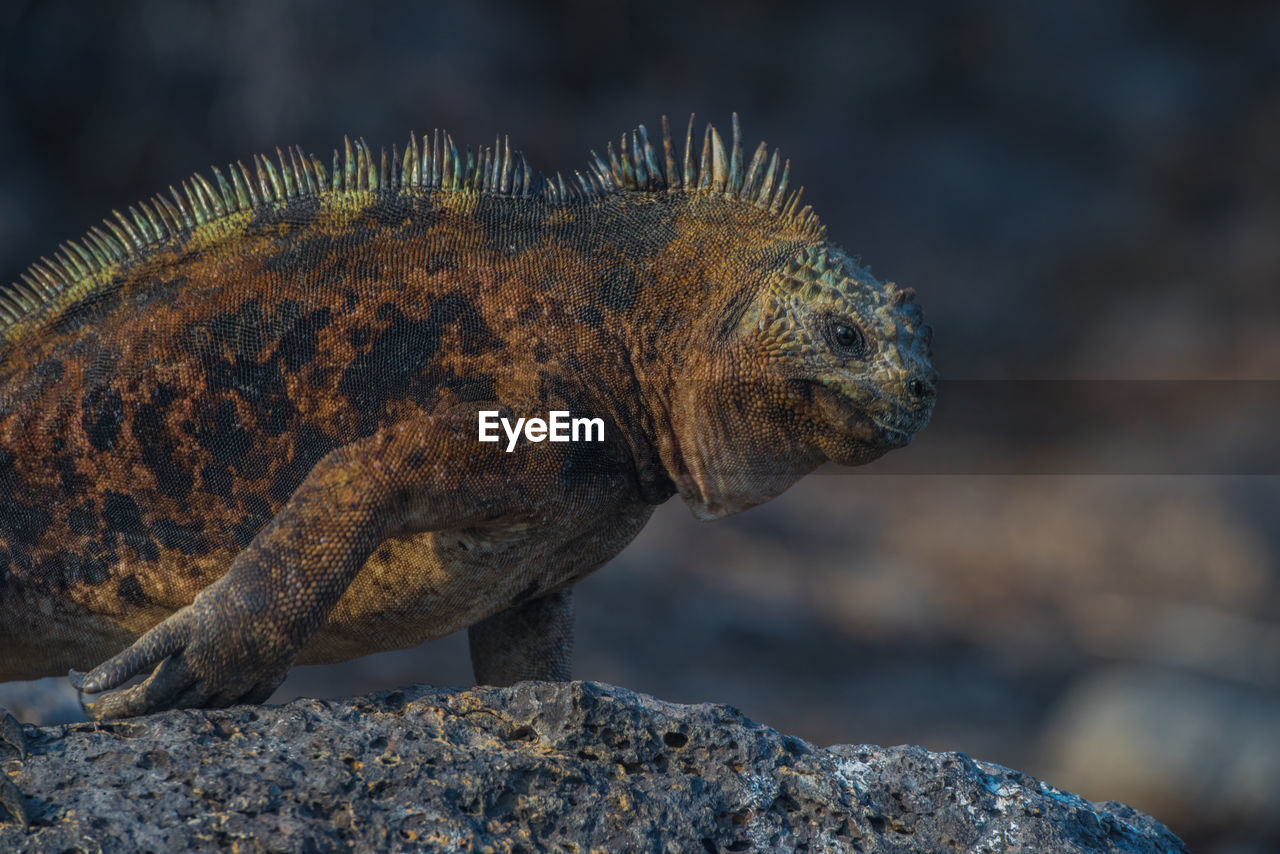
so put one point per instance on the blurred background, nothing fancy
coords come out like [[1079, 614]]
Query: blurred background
[[1074, 570]]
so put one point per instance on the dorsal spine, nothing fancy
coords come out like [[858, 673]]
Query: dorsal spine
[[433, 165]]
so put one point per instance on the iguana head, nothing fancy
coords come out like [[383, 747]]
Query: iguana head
[[823, 362], [854, 355]]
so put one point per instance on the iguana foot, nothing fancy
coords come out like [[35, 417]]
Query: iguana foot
[[12, 807], [213, 653]]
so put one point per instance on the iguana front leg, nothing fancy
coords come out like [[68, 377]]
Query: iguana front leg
[[237, 639], [532, 640]]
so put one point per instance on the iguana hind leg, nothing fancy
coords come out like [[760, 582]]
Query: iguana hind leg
[[531, 640], [237, 639], [12, 807], [239, 636]]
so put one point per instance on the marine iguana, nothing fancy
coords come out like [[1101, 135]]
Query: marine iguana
[[238, 425]]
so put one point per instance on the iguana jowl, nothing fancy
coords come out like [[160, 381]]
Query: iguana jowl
[[238, 426]]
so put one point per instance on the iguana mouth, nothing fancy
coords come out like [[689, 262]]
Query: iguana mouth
[[896, 435], [900, 424]]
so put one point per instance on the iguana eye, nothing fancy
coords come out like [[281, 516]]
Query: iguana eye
[[845, 337]]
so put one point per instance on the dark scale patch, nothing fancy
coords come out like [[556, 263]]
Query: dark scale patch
[[392, 366], [568, 228], [261, 385], [243, 532], [82, 519], [156, 446], [298, 253], [283, 317], [443, 261], [70, 481], [4, 568], [19, 523], [510, 225], [294, 212], [479, 387], [585, 462], [91, 308], [243, 332], [256, 377], [391, 209], [220, 433], [123, 517], [256, 505], [553, 386], [157, 293], [216, 479], [247, 528], [188, 539], [350, 299], [101, 414], [640, 231], [541, 352], [47, 372], [310, 444], [619, 288], [298, 343], [321, 376], [359, 337], [21, 560], [388, 367], [331, 274], [454, 307], [264, 387], [589, 315], [51, 572], [357, 237], [102, 364], [65, 568], [130, 592], [97, 561], [94, 570]]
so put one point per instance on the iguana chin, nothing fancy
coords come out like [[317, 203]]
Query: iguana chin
[[238, 426]]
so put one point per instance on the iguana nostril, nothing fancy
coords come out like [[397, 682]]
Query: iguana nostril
[[918, 388]]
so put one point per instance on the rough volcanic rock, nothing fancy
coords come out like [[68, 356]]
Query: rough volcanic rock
[[572, 767]]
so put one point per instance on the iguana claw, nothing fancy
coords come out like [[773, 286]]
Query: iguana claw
[[11, 801], [184, 665]]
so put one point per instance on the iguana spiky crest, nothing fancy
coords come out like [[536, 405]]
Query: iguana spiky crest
[[432, 166]]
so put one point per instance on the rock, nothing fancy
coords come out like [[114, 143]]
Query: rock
[[574, 767]]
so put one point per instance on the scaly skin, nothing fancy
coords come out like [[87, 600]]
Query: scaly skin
[[250, 440]]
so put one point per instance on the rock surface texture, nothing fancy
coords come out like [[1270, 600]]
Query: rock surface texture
[[574, 767]]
